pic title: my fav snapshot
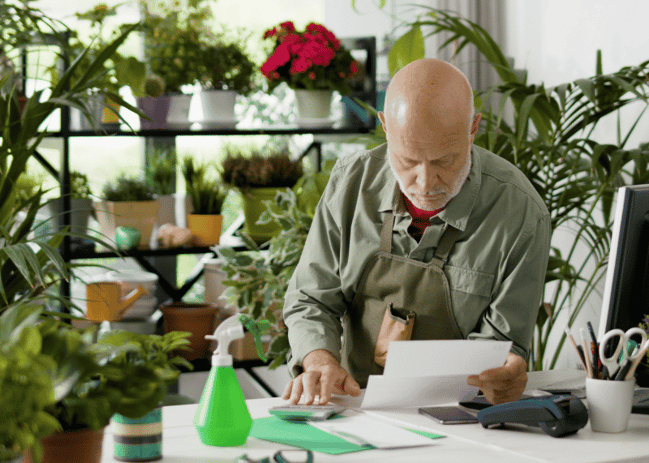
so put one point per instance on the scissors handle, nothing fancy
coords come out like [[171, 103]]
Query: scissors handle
[[628, 350], [611, 361]]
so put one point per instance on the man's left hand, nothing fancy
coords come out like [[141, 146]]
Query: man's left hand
[[503, 384]]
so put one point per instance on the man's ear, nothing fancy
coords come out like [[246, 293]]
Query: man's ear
[[475, 124], [382, 119]]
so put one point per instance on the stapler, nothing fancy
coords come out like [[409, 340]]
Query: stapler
[[557, 415]]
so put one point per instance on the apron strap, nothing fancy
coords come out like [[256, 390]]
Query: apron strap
[[446, 242], [386, 233]]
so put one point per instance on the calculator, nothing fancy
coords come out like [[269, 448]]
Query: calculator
[[306, 412]]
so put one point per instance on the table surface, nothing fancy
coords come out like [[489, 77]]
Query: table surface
[[471, 442]]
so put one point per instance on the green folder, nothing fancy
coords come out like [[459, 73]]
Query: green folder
[[302, 434]]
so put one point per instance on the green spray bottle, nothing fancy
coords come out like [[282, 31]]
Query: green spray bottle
[[222, 418]]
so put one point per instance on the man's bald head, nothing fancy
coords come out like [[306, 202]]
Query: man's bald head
[[428, 91], [430, 127]]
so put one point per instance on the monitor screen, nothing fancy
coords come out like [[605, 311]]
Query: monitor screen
[[626, 291]]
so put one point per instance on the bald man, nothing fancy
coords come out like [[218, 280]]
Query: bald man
[[442, 236]]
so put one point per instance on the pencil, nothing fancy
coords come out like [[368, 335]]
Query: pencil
[[582, 332], [594, 347], [574, 344]]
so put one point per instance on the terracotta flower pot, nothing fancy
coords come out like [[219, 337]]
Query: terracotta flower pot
[[83, 446], [206, 228], [199, 319]]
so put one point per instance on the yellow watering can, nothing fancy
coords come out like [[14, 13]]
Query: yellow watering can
[[105, 302]]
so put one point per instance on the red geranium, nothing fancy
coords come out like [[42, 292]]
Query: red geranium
[[309, 59]]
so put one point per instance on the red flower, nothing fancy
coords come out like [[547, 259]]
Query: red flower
[[299, 65], [353, 68], [270, 33], [274, 75], [312, 75], [287, 26]]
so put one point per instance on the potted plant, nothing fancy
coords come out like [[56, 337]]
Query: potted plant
[[80, 205], [311, 62], [173, 49], [198, 319], [254, 276], [228, 71], [128, 202], [121, 372], [259, 178], [26, 384], [153, 102], [160, 174], [207, 197]]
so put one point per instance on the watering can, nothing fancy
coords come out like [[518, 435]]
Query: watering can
[[105, 301]]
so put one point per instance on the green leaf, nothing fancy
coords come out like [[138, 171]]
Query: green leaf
[[408, 48]]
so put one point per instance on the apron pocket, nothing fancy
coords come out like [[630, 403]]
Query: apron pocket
[[397, 325]]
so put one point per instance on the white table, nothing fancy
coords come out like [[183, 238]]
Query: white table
[[516, 444]]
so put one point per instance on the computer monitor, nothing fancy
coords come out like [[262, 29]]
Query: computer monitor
[[626, 290]]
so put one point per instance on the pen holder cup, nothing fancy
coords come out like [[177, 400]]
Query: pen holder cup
[[609, 404]]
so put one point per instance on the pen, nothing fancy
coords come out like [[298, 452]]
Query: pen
[[594, 347], [579, 351], [636, 361], [582, 332]]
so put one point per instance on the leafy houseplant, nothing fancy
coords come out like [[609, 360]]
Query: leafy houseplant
[[129, 202], [257, 282], [549, 140], [28, 270], [312, 63], [207, 197], [259, 178]]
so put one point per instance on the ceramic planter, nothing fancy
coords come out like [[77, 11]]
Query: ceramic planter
[[110, 113], [166, 210], [141, 215], [205, 228], [178, 115], [80, 212], [313, 104], [198, 319], [253, 207], [157, 109], [138, 439], [218, 108], [83, 446]]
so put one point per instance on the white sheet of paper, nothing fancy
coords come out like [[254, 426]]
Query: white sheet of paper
[[362, 428], [449, 357], [426, 373]]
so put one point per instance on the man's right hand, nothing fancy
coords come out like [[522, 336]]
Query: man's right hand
[[322, 376]]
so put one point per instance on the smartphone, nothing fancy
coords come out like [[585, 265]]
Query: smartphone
[[449, 415]]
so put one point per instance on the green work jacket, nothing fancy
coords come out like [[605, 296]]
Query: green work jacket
[[496, 270]]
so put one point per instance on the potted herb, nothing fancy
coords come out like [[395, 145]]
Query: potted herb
[[173, 47], [207, 196], [311, 62], [128, 202], [228, 72], [259, 178]]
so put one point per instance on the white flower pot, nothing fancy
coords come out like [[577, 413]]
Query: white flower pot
[[178, 115], [218, 107], [313, 104]]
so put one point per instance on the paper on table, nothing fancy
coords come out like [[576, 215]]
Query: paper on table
[[361, 429], [425, 373]]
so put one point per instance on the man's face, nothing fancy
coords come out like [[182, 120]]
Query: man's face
[[431, 167]]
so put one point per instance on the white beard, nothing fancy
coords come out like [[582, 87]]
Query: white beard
[[443, 195]]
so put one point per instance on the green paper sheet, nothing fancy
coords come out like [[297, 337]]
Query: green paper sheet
[[302, 434]]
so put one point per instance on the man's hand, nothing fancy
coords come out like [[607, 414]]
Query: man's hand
[[322, 376], [503, 384]]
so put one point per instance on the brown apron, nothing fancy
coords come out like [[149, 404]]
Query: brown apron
[[408, 285]]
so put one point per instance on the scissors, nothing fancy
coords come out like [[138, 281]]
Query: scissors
[[615, 361]]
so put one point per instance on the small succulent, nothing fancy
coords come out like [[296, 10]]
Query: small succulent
[[154, 86]]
